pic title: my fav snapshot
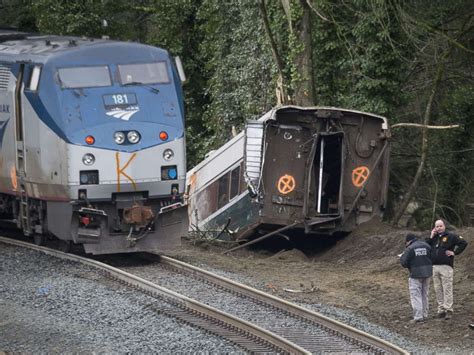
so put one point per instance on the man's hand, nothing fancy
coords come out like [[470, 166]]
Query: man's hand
[[433, 232], [449, 253]]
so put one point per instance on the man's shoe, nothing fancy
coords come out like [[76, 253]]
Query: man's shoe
[[416, 321], [448, 315], [442, 315]]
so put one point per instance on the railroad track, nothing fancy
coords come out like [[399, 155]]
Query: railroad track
[[310, 330], [248, 336], [259, 322]]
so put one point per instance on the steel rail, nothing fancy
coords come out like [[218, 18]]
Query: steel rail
[[252, 337], [334, 326]]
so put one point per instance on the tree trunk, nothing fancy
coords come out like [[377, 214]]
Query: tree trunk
[[303, 84], [281, 95]]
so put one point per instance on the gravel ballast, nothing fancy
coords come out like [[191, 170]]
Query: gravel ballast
[[52, 305], [344, 316]]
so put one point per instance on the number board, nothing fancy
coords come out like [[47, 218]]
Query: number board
[[120, 101]]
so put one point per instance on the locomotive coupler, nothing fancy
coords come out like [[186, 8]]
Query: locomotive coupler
[[139, 218]]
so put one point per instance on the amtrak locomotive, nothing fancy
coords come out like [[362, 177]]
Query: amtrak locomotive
[[92, 147]]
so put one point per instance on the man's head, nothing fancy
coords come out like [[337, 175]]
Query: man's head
[[439, 226], [409, 239]]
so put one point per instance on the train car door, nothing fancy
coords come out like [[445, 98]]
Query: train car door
[[324, 179], [286, 150]]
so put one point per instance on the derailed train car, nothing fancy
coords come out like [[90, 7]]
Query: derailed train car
[[320, 170], [92, 146]]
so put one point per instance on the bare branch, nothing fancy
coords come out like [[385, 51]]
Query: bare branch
[[316, 11], [417, 125], [273, 45], [281, 92], [424, 140]]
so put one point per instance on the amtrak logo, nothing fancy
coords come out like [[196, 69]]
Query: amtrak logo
[[122, 114]]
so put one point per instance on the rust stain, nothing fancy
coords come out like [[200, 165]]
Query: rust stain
[[13, 178]]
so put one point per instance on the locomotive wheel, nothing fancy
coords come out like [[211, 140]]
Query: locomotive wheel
[[39, 239], [64, 246]]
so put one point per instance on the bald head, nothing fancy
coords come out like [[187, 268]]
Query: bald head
[[439, 226]]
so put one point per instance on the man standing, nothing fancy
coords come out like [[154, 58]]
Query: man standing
[[444, 246], [417, 258]]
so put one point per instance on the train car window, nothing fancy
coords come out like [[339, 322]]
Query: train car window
[[84, 77], [34, 78], [234, 182], [223, 191], [144, 73], [206, 200], [242, 184]]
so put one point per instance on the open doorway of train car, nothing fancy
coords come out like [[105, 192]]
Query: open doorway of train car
[[325, 176]]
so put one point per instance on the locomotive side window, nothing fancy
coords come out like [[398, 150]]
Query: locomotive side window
[[145, 73], [84, 77], [34, 78]]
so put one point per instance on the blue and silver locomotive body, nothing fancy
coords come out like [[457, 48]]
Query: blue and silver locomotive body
[[92, 142]]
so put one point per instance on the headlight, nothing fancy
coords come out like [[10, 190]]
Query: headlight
[[163, 135], [88, 159], [119, 137], [133, 137], [168, 154]]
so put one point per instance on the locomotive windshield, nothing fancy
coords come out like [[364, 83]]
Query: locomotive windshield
[[144, 73], [84, 77]]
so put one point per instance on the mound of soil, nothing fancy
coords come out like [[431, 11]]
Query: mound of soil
[[293, 255], [361, 273]]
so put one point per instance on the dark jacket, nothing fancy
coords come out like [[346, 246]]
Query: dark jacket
[[442, 242], [417, 258]]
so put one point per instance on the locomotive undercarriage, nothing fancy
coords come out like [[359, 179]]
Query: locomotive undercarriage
[[103, 227], [128, 224]]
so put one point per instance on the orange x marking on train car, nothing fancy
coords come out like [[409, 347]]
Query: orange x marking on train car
[[286, 184], [360, 175]]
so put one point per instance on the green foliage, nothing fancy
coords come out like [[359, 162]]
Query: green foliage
[[357, 65], [86, 18], [69, 17], [239, 76], [17, 14], [378, 56]]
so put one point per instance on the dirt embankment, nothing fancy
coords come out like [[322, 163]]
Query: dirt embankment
[[361, 273]]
